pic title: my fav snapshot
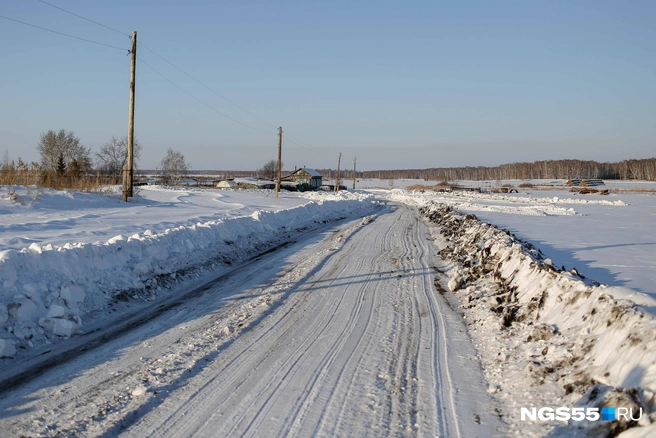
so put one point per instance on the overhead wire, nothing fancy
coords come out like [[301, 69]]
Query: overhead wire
[[205, 86], [84, 18], [288, 136], [175, 66], [301, 143], [64, 34], [197, 99]]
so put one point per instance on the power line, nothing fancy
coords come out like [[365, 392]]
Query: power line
[[170, 63], [301, 143], [64, 34], [161, 57], [205, 86], [84, 18], [297, 142], [197, 99], [292, 138]]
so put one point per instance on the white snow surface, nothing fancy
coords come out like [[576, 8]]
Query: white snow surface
[[340, 333], [611, 239], [65, 254], [545, 336]]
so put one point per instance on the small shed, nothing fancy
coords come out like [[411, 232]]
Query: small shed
[[254, 183], [227, 184], [305, 176]]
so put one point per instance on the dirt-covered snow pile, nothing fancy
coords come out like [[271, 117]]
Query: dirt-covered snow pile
[[46, 291], [547, 337]]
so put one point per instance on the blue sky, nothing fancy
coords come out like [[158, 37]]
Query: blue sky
[[399, 84]]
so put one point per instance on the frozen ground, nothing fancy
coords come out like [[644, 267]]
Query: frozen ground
[[190, 311], [611, 238]]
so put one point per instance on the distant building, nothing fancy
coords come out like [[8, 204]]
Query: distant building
[[254, 183], [227, 184], [585, 182], [307, 177]]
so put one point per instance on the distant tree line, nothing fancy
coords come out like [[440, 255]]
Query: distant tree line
[[65, 162], [643, 169]]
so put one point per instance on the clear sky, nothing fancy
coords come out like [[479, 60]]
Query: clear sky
[[399, 84]]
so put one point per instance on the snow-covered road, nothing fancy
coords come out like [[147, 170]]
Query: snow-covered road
[[340, 334]]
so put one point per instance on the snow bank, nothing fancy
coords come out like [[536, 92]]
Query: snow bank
[[529, 199], [549, 335], [471, 201], [47, 289]]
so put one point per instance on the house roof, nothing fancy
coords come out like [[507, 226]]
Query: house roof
[[312, 172], [253, 181]]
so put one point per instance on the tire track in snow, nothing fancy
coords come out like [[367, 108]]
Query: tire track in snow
[[359, 347], [281, 327], [437, 333], [402, 364], [99, 402], [338, 387], [355, 344], [310, 346], [330, 358]]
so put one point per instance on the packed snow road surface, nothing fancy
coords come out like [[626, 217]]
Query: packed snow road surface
[[341, 334]]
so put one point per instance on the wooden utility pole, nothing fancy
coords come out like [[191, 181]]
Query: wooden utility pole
[[129, 180], [279, 160], [339, 160], [354, 158]]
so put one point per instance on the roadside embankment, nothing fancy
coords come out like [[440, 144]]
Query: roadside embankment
[[546, 336]]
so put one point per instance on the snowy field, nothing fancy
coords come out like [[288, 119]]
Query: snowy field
[[58, 218], [611, 239], [64, 254], [542, 184], [325, 314]]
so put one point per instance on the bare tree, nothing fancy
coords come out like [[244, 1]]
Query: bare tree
[[269, 170], [174, 166], [114, 154], [53, 145]]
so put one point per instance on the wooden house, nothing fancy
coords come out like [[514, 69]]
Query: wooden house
[[305, 177]]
